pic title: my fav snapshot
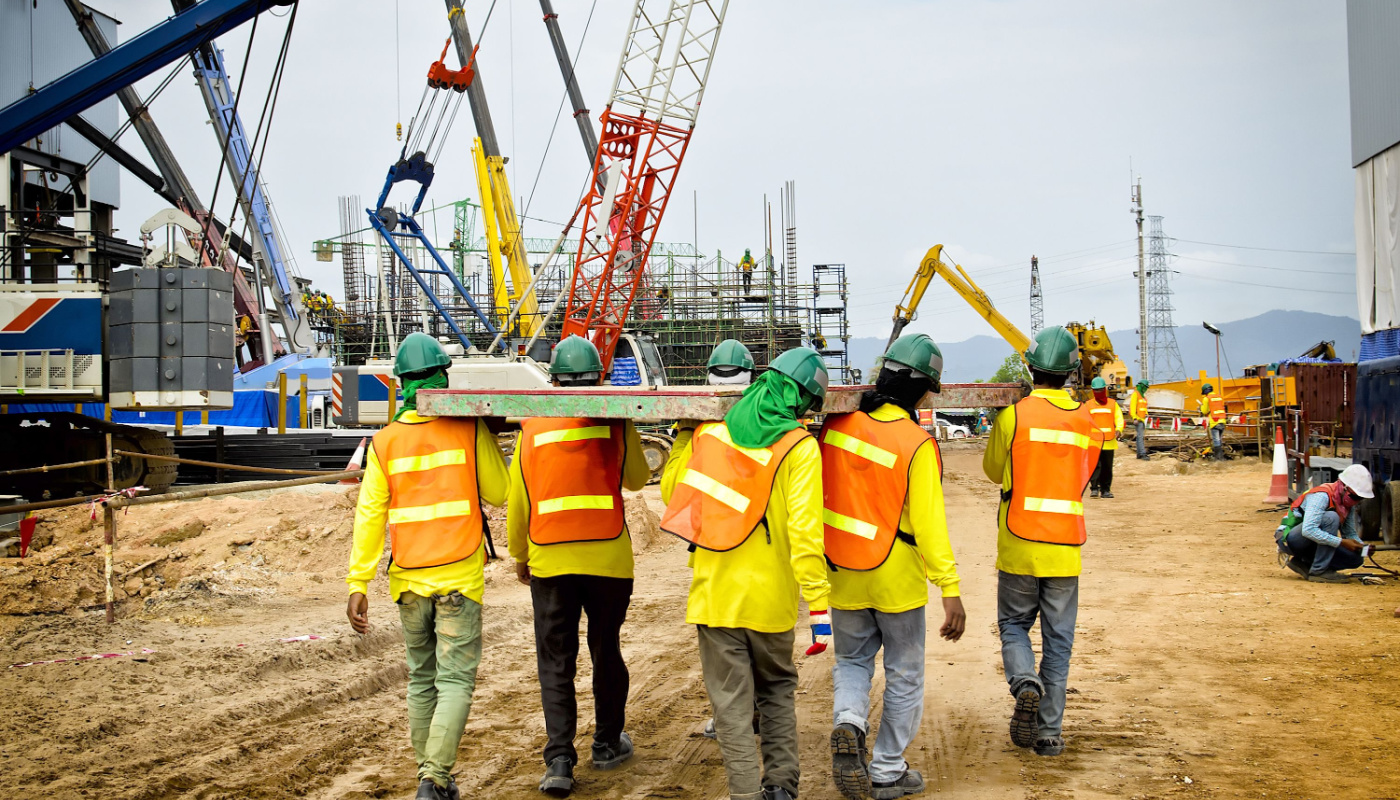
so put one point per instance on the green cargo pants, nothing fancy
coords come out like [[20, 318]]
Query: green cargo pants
[[746, 670], [443, 635]]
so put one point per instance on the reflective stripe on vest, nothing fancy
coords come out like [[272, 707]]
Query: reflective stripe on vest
[[1217, 414], [572, 469], [865, 484], [722, 496], [1053, 453], [434, 511]]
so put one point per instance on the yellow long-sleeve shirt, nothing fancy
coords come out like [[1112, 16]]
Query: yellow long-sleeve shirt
[[1138, 406], [1111, 443], [899, 584], [756, 585], [1015, 555], [372, 512], [611, 558]]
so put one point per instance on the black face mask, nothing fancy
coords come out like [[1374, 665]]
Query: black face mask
[[904, 389]]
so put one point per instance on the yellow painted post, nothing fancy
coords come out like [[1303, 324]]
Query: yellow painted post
[[301, 423], [281, 402], [107, 412], [78, 408], [180, 423], [204, 416], [4, 408], [393, 398]]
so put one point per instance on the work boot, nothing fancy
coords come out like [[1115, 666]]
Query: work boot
[[1049, 745], [1107, 495], [848, 761], [1024, 720], [777, 793], [1093, 492], [911, 782], [611, 756], [709, 732], [558, 778], [1298, 567], [1330, 576], [427, 790]]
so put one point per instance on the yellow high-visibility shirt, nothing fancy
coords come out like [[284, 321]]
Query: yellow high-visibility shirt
[[372, 512], [611, 558], [1137, 408], [898, 584], [755, 585], [1015, 555], [1110, 443]]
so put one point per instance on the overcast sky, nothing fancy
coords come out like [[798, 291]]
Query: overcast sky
[[999, 129]]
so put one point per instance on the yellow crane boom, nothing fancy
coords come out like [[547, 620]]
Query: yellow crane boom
[[504, 239], [962, 283]]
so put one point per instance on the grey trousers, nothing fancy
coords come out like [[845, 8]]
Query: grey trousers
[[745, 670]]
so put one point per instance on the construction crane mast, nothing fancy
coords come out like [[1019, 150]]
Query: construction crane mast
[[646, 129]]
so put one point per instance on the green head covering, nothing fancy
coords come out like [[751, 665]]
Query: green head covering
[[436, 380], [769, 408]]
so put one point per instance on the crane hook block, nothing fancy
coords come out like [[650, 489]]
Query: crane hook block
[[440, 77]]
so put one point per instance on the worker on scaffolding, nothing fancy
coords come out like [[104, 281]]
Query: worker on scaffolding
[[746, 492], [568, 535], [731, 364], [1041, 452], [1137, 409], [886, 539], [1321, 533], [1214, 418], [818, 341], [427, 477], [746, 265], [1108, 416]]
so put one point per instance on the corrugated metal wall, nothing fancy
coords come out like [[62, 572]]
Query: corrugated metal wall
[[55, 48], [1326, 392]]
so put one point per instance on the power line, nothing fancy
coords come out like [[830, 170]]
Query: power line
[[1272, 249], [1262, 266], [1308, 289]]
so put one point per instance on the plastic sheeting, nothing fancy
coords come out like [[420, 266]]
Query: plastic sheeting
[[1378, 241], [255, 409]]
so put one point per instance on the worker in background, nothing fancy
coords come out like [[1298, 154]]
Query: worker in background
[[885, 536], [1137, 409], [1213, 412], [818, 341], [747, 494], [568, 535], [1108, 416], [1321, 535], [746, 265], [1042, 452], [427, 477]]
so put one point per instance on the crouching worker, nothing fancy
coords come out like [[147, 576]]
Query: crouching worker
[[427, 478], [747, 494], [885, 537], [1320, 535], [568, 536]]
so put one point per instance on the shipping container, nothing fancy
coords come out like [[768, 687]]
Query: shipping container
[[1325, 392]]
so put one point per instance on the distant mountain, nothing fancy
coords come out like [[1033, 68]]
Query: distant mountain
[[1267, 338]]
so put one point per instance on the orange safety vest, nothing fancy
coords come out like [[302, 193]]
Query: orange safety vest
[[572, 470], [1137, 407], [865, 483], [1102, 415], [1053, 453], [722, 496], [1216, 410], [434, 509]]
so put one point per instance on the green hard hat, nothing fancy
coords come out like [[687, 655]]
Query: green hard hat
[[419, 352], [1206, 388], [574, 356], [1142, 385], [804, 365], [731, 353], [1054, 350], [1098, 383], [918, 352], [746, 251]]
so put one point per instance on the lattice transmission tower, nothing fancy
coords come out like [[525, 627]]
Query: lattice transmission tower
[[1163, 354], [1037, 301]]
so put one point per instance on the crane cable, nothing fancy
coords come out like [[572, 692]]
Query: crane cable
[[422, 138], [223, 149], [578, 51]]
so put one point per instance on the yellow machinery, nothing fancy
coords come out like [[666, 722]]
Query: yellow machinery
[[504, 239]]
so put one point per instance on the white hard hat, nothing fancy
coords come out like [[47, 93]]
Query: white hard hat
[[1358, 479]]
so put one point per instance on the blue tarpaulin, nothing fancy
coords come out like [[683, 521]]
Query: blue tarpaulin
[[251, 409]]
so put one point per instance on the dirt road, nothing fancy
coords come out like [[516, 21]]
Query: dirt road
[[1201, 669]]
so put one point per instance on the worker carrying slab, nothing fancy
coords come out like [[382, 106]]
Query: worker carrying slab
[[1214, 418], [886, 540], [1137, 409], [746, 265], [427, 477], [568, 535], [1321, 535], [746, 493], [731, 364], [1108, 417], [1042, 452]]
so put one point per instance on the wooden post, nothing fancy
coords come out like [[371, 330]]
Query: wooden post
[[109, 535], [301, 423], [77, 408], [219, 453], [281, 402], [393, 399], [107, 412]]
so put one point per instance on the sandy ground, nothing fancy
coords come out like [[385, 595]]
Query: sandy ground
[[1201, 668]]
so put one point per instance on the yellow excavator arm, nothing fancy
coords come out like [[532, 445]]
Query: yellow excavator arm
[[966, 288]]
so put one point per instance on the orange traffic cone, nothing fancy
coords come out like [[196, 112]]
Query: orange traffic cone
[[1278, 485], [357, 461]]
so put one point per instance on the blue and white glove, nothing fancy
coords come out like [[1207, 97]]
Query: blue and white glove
[[821, 632]]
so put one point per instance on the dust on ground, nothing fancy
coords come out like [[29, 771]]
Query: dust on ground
[[1201, 669]]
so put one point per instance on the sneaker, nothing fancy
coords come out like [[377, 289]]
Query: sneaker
[[709, 732], [558, 778], [1297, 566], [1093, 492], [848, 761], [1049, 745], [911, 782], [1106, 495], [611, 756], [1330, 576], [1024, 719]]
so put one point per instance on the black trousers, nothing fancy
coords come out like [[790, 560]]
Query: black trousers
[[558, 602], [1102, 479]]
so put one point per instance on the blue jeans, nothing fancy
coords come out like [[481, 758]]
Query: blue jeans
[[1020, 598], [1320, 556], [857, 637], [1217, 435], [1141, 427]]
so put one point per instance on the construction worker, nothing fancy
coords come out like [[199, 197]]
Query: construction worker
[[885, 536], [568, 535], [1108, 416], [1213, 412], [746, 265], [731, 364], [1320, 535], [1042, 452], [747, 494], [427, 477], [1137, 409], [818, 341]]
